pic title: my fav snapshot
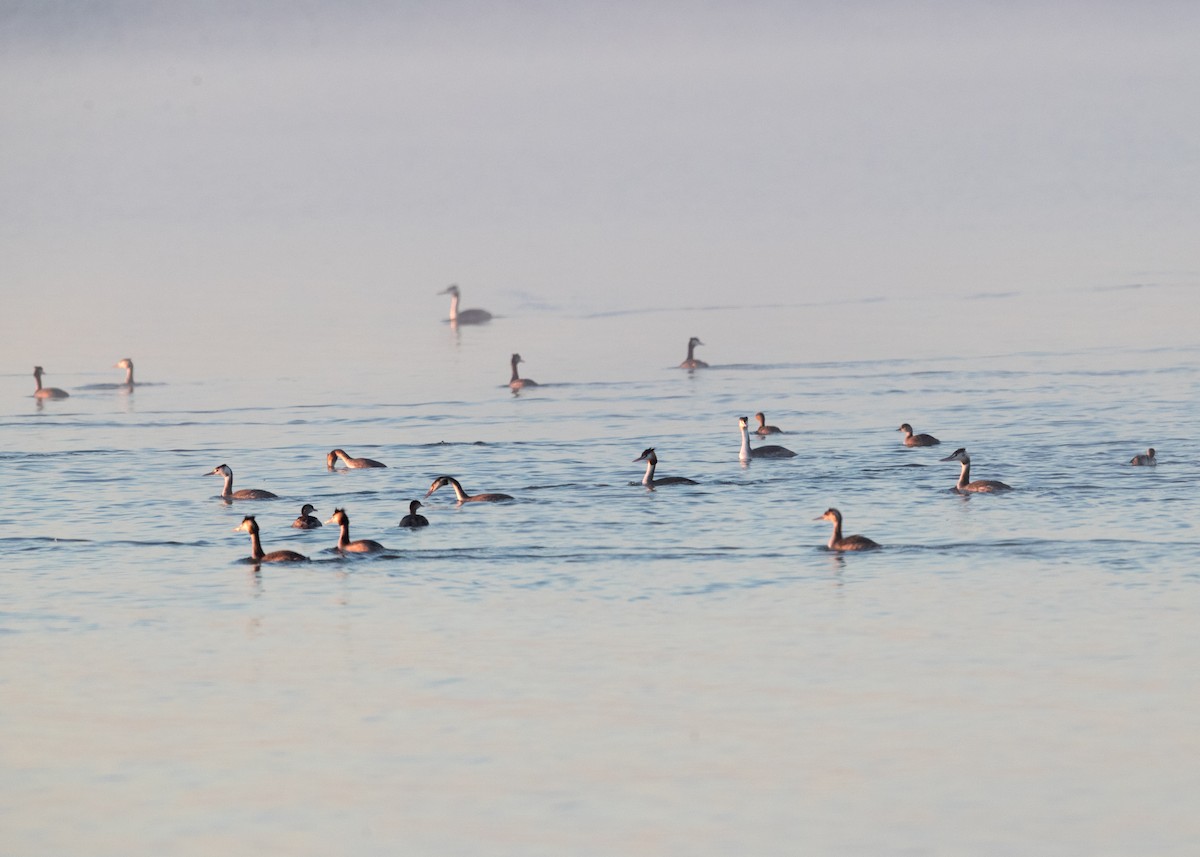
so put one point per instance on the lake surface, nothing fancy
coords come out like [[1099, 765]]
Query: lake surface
[[596, 668]]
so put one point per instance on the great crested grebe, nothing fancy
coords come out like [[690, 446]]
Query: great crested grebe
[[965, 485], [249, 525], [764, 429], [911, 439], [463, 496], [466, 316], [126, 364], [337, 455], [763, 451], [227, 493], [46, 392], [692, 362], [306, 521], [838, 542], [1144, 460], [412, 519], [344, 544], [651, 459], [517, 381]]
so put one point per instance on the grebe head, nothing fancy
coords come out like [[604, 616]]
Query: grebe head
[[516, 358], [959, 454], [248, 525], [648, 455], [694, 341], [413, 506], [1150, 452], [906, 428], [440, 482], [450, 290], [761, 417], [38, 372], [830, 514], [307, 509], [123, 363], [338, 517], [220, 470], [743, 422]]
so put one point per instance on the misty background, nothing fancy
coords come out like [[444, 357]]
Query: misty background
[[210, 182]]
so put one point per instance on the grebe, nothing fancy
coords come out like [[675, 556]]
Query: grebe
[[344, 544], [763, 451], [911, 439], [306, 521], [965, 485], [764, 429], [692, 362], [1147, 459], [838, 542], [412, 519], [466, 316], [463, 496], [249, 525], [127, 365], [649, 481], [227, 493], [517, 381], [46, 392], [332, 458]]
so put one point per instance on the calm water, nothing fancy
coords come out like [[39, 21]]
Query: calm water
[[598, 669]]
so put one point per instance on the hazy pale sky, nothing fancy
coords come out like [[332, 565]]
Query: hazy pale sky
[[204, 167]]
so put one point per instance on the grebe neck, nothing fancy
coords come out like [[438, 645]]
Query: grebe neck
[[964, 478], [744, 455], [458, 489], [651, 463], [454, 306], [837, 534], [515, 376]]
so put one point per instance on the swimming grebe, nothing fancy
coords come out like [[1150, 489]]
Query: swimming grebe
[[517, 381], [249, 525], [649, 481], [763, 451], [965, 485], [1147, 459], [46, 392], [692, 362], [911, 439], [463, 496], [227, 493], [127, 365], [412, 519], [838, 542], [764, 429], [466, 316], [332, 458], [344, 544], [306, 521]]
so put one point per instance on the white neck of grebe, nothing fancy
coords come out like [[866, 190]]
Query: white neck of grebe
[[837, 533], [744, 455], [227, 491], [458, 489], [454, 306], [129, 375], [964, 477], [648, 479]]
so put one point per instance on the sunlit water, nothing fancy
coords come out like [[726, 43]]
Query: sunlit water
[[595, 668]]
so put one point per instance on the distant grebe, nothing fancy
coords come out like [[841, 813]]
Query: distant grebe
[[463, 496], [911, 439], [965, 485], [837, 542], [227, 493], [306, 521], [763, 451], [649, 481], [1142, 460], [412, 519], [126, 364], [46, 392], [344, 544], [764, 429], [692, 362], [517, 381], [249, 525], [332, 459], [466, 316]]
